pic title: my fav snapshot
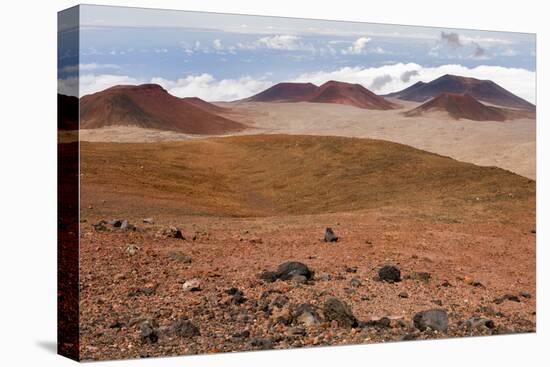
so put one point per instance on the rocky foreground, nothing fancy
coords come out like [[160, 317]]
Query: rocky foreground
[[210, 285]]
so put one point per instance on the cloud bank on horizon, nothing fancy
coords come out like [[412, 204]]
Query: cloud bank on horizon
[[223, 57]]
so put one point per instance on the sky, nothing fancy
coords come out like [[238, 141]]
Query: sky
[[223, 57]]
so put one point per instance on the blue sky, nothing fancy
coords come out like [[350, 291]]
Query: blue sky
[[225, 57]]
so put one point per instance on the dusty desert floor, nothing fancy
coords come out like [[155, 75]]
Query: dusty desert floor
[[510, 145], [463, 237]]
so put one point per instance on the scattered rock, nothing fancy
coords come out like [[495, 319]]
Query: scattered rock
[[291, 268], [280, 301], [242, 334], [132, 249], [435, 319], [446, 284], [149, 333], [403, 295], [381, 323], [298, 279], [181, 257], [100, 227], [297, 331], [126, 226], [330, 236], [437, 302], [389, 273], [325, 277], [237, 296], [351, 269], [192, 285], [261, 343], [419, 275], [525, 294], [148, 221], [282, 316], [185, 328], [306, 315], [355, 282], [173, 232], [336, 310], [269, 276], [478, 323], [507, 297]]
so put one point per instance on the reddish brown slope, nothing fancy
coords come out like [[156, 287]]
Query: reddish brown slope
[[201, 103], [150, 106], [285, 92], [460, 106], [350, 94]]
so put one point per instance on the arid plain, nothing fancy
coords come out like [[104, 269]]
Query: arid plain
[[185, 235]]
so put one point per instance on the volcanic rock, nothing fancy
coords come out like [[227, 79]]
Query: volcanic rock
[[435, 319], [389, 273], [330, 236], [336, 310]]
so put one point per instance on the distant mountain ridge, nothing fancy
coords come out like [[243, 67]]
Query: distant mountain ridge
[[330, 92], [482, 90]]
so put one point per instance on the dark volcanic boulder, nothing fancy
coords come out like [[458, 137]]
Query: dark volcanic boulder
[[306, 315], [334, 309], [290, 269], [389, 273], [435, 319], [330, 236], [149, 333]]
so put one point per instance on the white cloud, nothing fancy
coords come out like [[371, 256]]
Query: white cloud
[[217, 44], [281, 42], [91, 83], [518, 81], [382, 80], [358, 47], [207, 87]]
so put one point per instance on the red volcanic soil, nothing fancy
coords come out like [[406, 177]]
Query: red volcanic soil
[[285, 92], [150, 106], [330, 92], [483, 90], [350, 94], [67, 112]]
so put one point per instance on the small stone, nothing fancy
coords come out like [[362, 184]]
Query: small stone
[[381, 323], [389, 273], [148, 221], [149, 332], [291, 268], [261, 343], [525, 294], [100, 227], [297, 330], [298, 279], [507, 297], [269, 276], [478, 323], [306, 315], [192, 285], [351, 269], [185, 328], [325, 277], [355, 282], [419, 275], [437, 302], [330, 236], [126, 226], [132, 249], [336, 310], [435, 319], [181, 257], [403, 295]]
